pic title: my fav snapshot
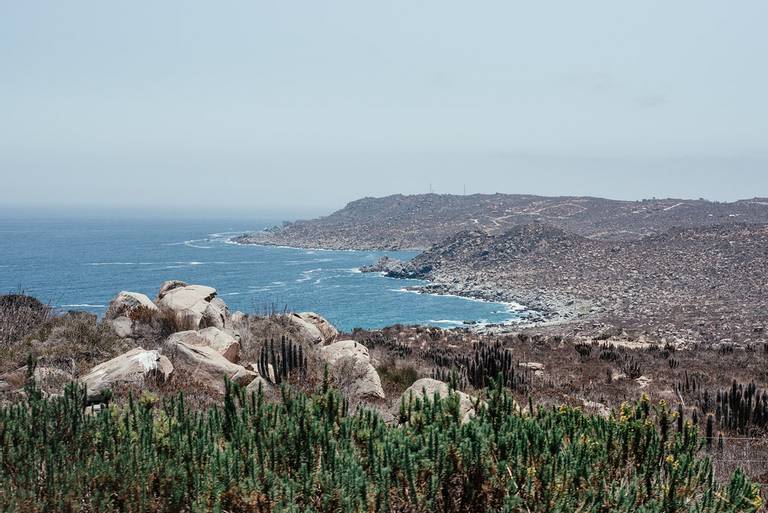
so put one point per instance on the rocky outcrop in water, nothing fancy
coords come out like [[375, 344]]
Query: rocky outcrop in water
[[395, 268]]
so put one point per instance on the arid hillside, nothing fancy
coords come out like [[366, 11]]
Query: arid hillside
[[418, 221], [705, 284]]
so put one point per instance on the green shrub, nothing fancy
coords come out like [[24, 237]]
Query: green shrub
[[308, 453]]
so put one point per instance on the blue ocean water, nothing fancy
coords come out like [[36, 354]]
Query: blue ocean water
[[80, 264]]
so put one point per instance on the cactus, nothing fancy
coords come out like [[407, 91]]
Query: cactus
[[309, 453], [287, 359]]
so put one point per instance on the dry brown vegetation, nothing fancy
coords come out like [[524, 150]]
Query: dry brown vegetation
[[595, 374]]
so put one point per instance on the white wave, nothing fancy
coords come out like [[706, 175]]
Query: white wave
[[354, 270], [232, 294], [446, 321], [405, 290], [122, 263], [195, 243], [223, 235]]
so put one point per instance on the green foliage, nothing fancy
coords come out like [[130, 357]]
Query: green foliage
[[488, 362], [743, 408], [307, 453], [286, 359]]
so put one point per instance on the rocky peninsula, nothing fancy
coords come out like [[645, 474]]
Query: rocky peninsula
[[667, 269]]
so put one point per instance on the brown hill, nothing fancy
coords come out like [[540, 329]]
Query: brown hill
[[419, 221], [703, 283]]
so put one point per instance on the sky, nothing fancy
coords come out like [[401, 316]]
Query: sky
[[305, 105]]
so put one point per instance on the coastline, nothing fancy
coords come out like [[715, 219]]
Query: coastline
[[252, 239], [542, 308]]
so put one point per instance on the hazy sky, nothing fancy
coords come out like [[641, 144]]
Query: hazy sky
[[309, 104]]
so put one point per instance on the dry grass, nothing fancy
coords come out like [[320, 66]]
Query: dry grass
[[74, 341], [20, 314]]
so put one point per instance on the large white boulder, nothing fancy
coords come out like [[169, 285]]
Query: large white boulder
[[205, 366], [350, 364], [326, 329], [303, 331], [131, 368], [188, 303], [430, 387], [221, 341], [127, 302]]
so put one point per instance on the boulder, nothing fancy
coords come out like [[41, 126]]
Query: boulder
[[13, 380], [126, 303], [216, 314], [266, 387], [535, 367], [304, 331], [430, 387], [326, 329], [188, 303], [51, 380], [168, 286], [122, 326], [226, 345], [350, 364], [131, 368], [206, 366]]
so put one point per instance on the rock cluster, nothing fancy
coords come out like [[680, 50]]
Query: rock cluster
[[204, 348]]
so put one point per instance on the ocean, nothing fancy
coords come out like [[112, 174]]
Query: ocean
[[81, 264]]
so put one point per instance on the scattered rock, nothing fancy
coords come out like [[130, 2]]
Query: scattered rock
[[224, 343], [304, 331], [168, 286], [189, 304], [123, 327], [205, 366], [127, 302], [327, 330], [430, 387], [216, 314], [537, 368], [350, 365], [598, 408], [644, 381], [131, 368]]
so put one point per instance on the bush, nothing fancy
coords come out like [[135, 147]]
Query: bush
[[308, 453], [19, 315]]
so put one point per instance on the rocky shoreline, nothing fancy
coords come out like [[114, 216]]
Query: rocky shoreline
[[543, 309]]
